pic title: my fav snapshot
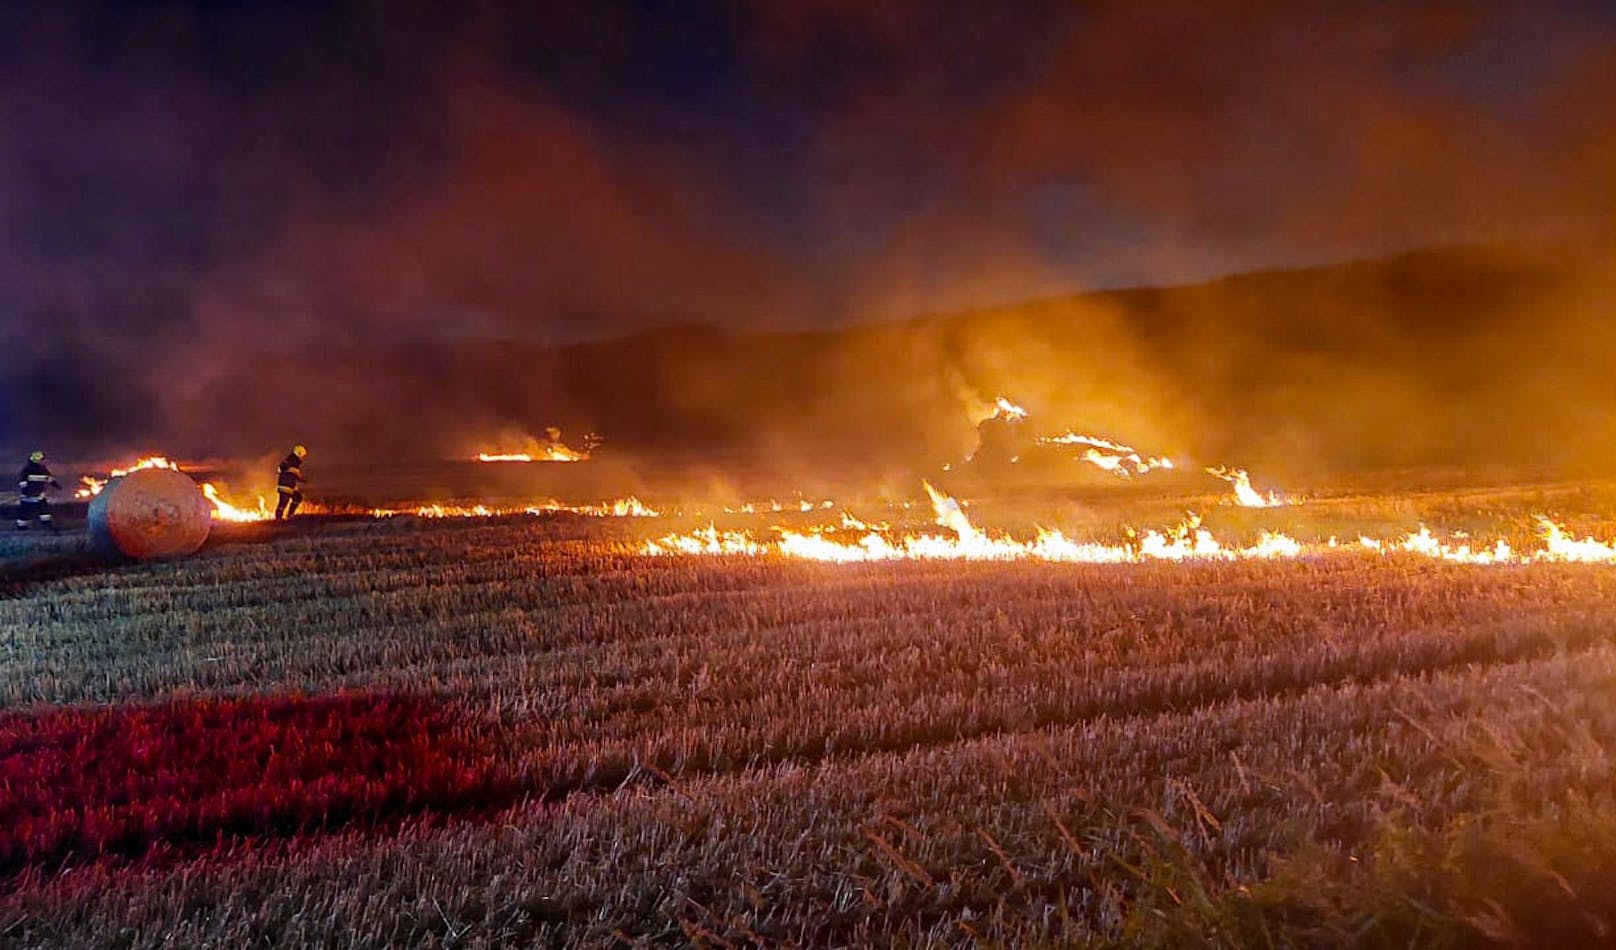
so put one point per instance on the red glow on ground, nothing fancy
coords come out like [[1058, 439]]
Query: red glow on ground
[[116, 784]]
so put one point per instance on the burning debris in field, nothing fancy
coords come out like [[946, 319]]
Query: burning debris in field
[[551, 448], [1244, 495], [1000, 439], [1109, 456], [1009, 410]]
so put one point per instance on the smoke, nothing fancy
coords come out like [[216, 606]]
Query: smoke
[[1054, 148], [393, 230]]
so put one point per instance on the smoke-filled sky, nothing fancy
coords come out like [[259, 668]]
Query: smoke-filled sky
[[190, 178]]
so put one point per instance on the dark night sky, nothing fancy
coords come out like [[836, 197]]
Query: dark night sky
[[181, 177]]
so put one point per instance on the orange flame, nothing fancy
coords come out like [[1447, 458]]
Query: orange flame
[[225, 511], [93, 485], [222, 509], [629, 507], [1008, 409], [1244, 495], [1188, 541], [1114, 457], [550, 449]]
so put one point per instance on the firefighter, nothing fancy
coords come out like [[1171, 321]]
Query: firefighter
[[289, 483], [998, 441], [31, 484]]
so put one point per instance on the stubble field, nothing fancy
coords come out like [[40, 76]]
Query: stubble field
[[514, 731]]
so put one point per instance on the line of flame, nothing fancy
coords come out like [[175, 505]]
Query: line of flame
[[1189, 541], [630, 507]]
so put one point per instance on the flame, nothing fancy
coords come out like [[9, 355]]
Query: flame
[[707, 540], [1244, 495], [1008, 409], [852, 540], [1423, 542], [225, 511], [1187, 541], [93, 485], [773, 505], [629, 507], [553, 453], [550, 449], [1560, 546], [1114, 457], [222, 509]]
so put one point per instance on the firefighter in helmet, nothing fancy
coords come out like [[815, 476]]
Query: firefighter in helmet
[[31, 484], [289, 483]]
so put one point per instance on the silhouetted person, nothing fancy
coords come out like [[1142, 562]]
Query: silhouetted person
[[31, 484], [998, 440], [289, 483]]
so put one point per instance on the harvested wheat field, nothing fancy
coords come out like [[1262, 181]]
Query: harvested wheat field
[[527, 729]]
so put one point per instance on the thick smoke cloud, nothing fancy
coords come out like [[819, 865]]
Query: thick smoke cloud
[[1137, 144], [391, 229]]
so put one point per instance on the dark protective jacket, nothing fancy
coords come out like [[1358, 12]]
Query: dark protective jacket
[[998, 441], [33, 478], [290, 474]]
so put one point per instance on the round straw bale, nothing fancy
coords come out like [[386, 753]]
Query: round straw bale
[[150, 513]]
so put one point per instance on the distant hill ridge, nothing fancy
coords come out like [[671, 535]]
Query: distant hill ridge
[[1497, 353]]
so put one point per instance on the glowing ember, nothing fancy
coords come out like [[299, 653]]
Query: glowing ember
[[1244, 494]]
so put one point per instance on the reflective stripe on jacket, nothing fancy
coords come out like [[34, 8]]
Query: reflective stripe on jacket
[[290, 473], [33, 478]]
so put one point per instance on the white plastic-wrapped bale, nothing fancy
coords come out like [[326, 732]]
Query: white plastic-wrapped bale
[[150, 513]]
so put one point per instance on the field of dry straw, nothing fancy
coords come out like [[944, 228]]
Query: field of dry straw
[[489, 732]]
